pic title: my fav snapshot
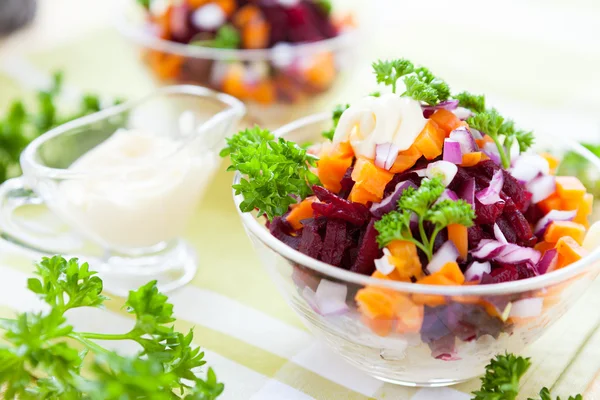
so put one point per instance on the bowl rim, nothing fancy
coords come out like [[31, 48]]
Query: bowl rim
[[141, 36], [539, 282]]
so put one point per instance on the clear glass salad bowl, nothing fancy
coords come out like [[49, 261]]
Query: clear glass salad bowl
[[470, 324], [278, 76]]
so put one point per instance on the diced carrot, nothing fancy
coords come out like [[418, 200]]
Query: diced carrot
[[569, 187], [543, 246], [301, 211], [375, 302], [482, 142], [431, 140], [484, 156], [558, 229], [371, 178], [432, 300], [570, 204], [452, 271], [228, 6], [409, 315], [321, 70], [405, 258], [446, 120], [233, 82], [166, 66], [569, 251], [332, 166], [264, 92], [585, 209], [552, 161], [470, 159], [405, 160], [343, 149], [255, 35], [381, 326], [247, 14], [551, 203], [360, 195], [197, 3], [458, 235], [392, 276]]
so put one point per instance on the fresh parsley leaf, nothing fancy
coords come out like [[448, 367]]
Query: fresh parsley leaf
[[420, 202], [277, 172], [144, 3], [473, 102], [502, 131], [375, 94], [325, 5], [227, 37], [388, 72], [38, 361], [502, 376], [336, 114], [545, 395]]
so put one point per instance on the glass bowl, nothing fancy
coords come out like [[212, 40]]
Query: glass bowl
[[463, 326], [284, 74]]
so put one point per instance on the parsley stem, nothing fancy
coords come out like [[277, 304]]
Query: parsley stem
[[418, 244], [424, 239], [89, 343], [501, 151], [433, 236], [105, 336]]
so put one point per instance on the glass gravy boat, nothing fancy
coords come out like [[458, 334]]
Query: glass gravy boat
[[118, 187]]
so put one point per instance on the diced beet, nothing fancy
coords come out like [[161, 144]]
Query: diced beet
[[276, 17], [460, 178], [487, 213], [506, 273], [454, 317], [311, 242], [368, 252], [281, 229], [444, 348], [507, 229], [486, 168], [347, 183], [525, 271], [335, 243], [484, 323], [321, 19], [533, 213], [475, 234], [519, 224], [401, 177], [302, 25], [433, 327], [337, 208], [513, 189]]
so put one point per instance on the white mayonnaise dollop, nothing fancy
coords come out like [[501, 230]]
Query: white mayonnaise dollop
[[377, 120], [137, 190]]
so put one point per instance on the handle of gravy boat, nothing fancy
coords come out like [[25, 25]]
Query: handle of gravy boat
[[14, 194]]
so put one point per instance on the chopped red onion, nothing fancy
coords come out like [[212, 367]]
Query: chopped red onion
[[488, 249], [447, 194], [310, 297], [383, 264], [476, 134], [491, 150], [476, 269], [452, 151], [541, 188], [467, 192], [514, 254], [491, 194], [331, 297], [553, 215], [445, 254], [390, 203], [447, 105], [421, 172], [529, 166], [208, 17], [548, 262], [444, 169], [462, 113], [463, 136], [385, 155], [527, 308], [499, 235]]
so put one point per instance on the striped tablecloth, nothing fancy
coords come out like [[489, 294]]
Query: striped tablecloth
[[544, 60]]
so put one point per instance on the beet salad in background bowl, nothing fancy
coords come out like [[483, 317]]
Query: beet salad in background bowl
[[262, 52], [418, 232]]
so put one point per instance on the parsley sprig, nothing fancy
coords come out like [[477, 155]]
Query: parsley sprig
[[420, 83], [277, 172], [503, 133], [39, 360], [24, 123], [502, 377], [396, 224], [227, 37], [336, 114]]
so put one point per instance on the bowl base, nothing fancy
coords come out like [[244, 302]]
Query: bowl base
[[432, 383]]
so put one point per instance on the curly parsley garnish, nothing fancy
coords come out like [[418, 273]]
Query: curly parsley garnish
[[227, 37], [396, 224], [502, 131], [474, 102], [38, 360], [336, 114], [420, 83], [277, 171], [502, 377]]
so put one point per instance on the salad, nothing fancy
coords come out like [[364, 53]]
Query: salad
[[247, 25], [418, 185]]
